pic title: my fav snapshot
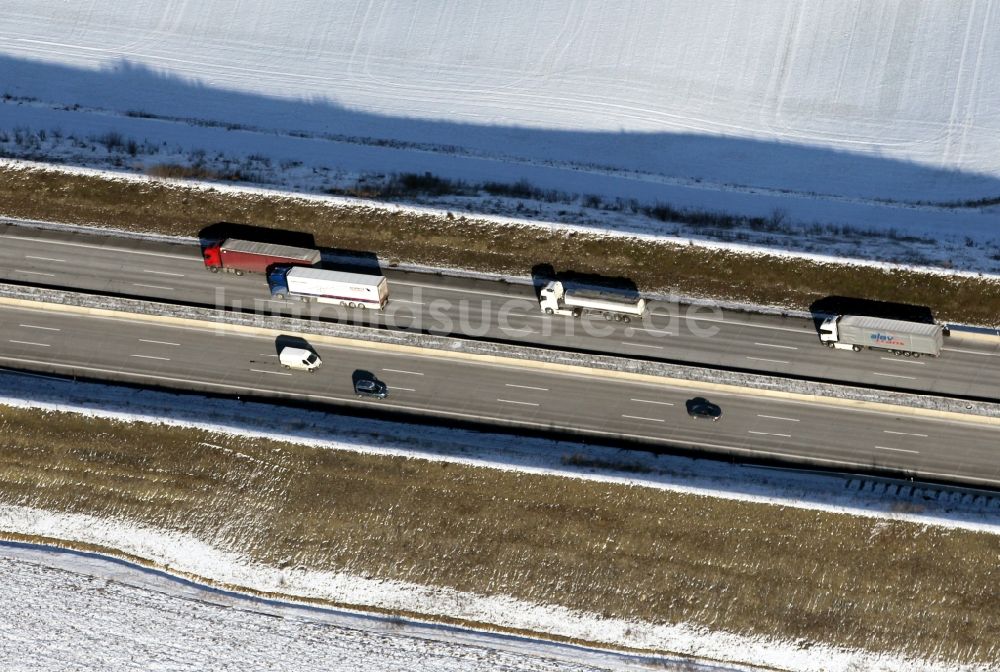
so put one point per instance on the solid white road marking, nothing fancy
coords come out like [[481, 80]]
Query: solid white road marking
[[643, 345], [463, 291], [741, 324], [889, 431], [273, 373], [50, 275], [146, 340], [777, 417], [527, 387], [522, 403], [165, 359], [892, 375], [61, 261], [41, 345], [971, 352], [902, 361], [774, 345], [116, 250], [787, 436], [139, 284], [773, 361], [636, 417], [409, 373], [650, 401], [898, 450], [34, 326]]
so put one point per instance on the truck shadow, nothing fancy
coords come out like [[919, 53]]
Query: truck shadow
[[542, 274], [350, 261], [846, 305], [220, 231]]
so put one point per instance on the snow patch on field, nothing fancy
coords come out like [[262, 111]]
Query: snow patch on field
[[138, 619]]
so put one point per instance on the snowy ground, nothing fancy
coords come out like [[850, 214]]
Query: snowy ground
[[137, 619], [849, 131]]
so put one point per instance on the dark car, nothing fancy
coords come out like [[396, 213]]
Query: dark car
[[700, 407], [374, 389]]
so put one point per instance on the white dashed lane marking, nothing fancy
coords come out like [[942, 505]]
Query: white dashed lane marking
[[898, 450], [521, 403], [774, 345], [40, 345]]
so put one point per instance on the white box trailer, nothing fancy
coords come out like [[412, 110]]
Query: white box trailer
[[558, 298], [857, 332], [355, 290]]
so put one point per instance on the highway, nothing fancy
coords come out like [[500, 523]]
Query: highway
[[493, 309], [431, 383]]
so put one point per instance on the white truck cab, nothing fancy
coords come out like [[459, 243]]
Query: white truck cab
[[551, 300], [830, 337], [299, 358]]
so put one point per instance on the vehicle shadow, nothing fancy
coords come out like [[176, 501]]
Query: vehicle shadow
[[542, 274], [362, 374], [220, 231], [829, 306], [351, 261], [285, 341]]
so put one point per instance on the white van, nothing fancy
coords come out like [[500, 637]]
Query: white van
[[299, 358]]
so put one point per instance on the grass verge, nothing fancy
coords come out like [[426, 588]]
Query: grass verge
[[623, 551], [489, 247]]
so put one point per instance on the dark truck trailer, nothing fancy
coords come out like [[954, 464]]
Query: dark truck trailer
[[244, 256]]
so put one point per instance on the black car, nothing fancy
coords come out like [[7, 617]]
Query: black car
[[374, 389], [700, 407]]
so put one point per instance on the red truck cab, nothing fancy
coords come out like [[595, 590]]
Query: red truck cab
[[212, 254]]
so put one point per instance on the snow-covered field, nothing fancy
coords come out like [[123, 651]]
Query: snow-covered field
[[853, 130], [68, 611]]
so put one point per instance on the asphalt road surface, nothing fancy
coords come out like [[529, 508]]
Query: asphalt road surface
[[500, 310], [432, 384]]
